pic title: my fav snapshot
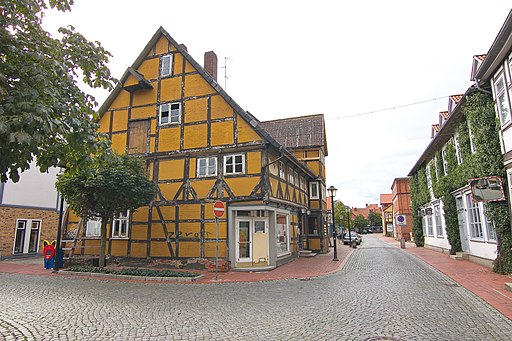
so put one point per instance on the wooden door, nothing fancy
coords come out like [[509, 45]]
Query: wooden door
[[138, 142]]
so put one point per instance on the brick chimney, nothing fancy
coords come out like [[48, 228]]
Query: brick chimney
[[210, 64]]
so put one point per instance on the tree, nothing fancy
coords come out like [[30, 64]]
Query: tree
[[106, 186], [374, 219], [360, 221], [43, 112]]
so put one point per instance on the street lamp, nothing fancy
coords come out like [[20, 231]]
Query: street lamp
[[347, 208], [332, 193]]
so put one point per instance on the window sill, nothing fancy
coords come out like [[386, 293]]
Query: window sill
[[92, 237], [119, 238]]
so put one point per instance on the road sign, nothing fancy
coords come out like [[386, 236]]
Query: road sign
[[401, 220], [219, 209]]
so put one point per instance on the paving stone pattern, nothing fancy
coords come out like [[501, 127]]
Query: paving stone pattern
[[383, 293]]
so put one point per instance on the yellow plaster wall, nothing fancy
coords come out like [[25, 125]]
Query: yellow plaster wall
[[314, 204], [119, 248], [119, 143], [130, 81], [189, 249], [92, 247], [196, 110], [178, 63], [210, 247], [162, 45], [143, 97], [312, 153], [254, 163], [143, 112], [141, 214], [222, 133], [157, 230], [189, 67], [168, 139], [274, 185], [168, 213], [139, 232], [260, 247], [104, 123], [120, 120], [152, 144], [195, 85], [171, 169], [159, 249], [195, 136], [242, 186], [138, 250], [202, 187], [220, 108], [149, 68], [190, 211], [169, 190], [209, 230], [153, 126], [170, 89], [189, 231], [245, 132], [122, 100]]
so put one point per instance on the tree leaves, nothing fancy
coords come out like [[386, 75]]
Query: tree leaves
[[43, 112]]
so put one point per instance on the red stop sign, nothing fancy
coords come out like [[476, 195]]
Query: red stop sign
[[219, 209]]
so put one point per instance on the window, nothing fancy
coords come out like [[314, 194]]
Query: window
[[26, 239], [170, 113], [282, 234], [458, 152], [429, 178], [166, 65], [120, 225], [491, 228], [439, 224], [313, 190], [435, 168], [291, 178], [445, 161], [207, 166], [502, 103], [234, 164], [430, 227], [471, 139], [93, 228], [474, 219], [282, 174]]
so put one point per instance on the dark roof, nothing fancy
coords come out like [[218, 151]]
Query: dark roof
[[248, 117], [298, 132]]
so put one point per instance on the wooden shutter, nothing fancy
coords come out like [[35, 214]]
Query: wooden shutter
[[138, 140]]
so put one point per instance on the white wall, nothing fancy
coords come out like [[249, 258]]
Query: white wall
[[35, 189]]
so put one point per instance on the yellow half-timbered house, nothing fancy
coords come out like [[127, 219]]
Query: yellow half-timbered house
[[200, 148]]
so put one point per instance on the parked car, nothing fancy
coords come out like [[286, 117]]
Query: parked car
[[353, 237]]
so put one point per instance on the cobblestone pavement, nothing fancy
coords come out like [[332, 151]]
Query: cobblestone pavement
[[383, 293]]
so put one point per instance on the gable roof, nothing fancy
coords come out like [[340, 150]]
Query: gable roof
[[386, 199], [249, 118], [298, 132]]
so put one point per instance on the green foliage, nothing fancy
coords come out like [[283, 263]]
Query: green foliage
[[340, 213], [131, 271], [374, 219], [360, 221], [106, 185], [485, 161], [43, 112]]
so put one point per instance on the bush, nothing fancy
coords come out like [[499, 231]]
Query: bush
[[131, 272]]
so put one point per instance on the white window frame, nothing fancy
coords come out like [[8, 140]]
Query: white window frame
[[28, 228], [429, 177], [231, 161], [282, 240], [163, 71], [445, 161], [439, 221], [93, 228], [430, 225], [120, 220], [282, 173], [173, 115], [314, 185], [475, 223], [209, 163], [471, 139], [291, 178], [501, 97], [458, 151], [435, 168]]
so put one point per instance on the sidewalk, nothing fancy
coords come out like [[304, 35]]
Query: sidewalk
[[478, 279]]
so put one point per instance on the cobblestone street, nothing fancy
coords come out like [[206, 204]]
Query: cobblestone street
[[382, 293]]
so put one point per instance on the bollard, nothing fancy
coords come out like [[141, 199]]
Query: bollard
[[402, 243]]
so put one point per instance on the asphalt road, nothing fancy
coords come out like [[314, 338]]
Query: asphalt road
[[382, 293]]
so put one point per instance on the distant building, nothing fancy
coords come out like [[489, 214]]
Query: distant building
[[402, 219], [386, 205]]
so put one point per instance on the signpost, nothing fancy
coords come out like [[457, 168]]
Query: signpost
[[218, 210]]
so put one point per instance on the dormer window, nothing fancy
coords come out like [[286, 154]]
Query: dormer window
[[166, 65], [169, 113]]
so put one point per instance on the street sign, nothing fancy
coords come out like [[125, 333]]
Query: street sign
[[401, 220], [219, 209]]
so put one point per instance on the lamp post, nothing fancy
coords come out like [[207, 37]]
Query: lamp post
[[332, 192], [347, 208]]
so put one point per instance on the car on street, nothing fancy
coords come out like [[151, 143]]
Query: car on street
[[353, 237]]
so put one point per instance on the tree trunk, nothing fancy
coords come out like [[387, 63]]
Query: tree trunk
[[103, 243]]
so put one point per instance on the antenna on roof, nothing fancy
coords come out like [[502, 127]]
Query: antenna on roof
[[225, 67]]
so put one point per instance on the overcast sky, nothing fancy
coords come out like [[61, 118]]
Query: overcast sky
[[347, 60]]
